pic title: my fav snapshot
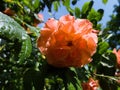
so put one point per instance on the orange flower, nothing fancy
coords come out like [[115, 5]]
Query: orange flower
[[117, 53], [90, 85], [67, 42]]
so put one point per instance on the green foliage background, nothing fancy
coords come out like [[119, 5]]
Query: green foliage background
[[22, 67]]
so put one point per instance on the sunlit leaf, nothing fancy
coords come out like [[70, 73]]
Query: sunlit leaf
[[77, 12], [36, 3], [66, 3], [95, 15], [26, 2], [11, 30], [70, 10], [34, 30], [86, 8], [1, 47], [56, 5], [103, 46]]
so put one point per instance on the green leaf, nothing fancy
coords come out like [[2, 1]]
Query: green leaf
[[104, 1], [29, 4], [74, 2], [1, 47], [34, 30], [103, 46], [77, 12], [25, 50], [33, 78], [66, 3], [71, 80], [107, 67], [36, 4], [100, 13], [118, 88], [39, 77], [70, 10], [27, 79], [11, 30], [109, 59], [86, 9], [56, 4], [95, 15]]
